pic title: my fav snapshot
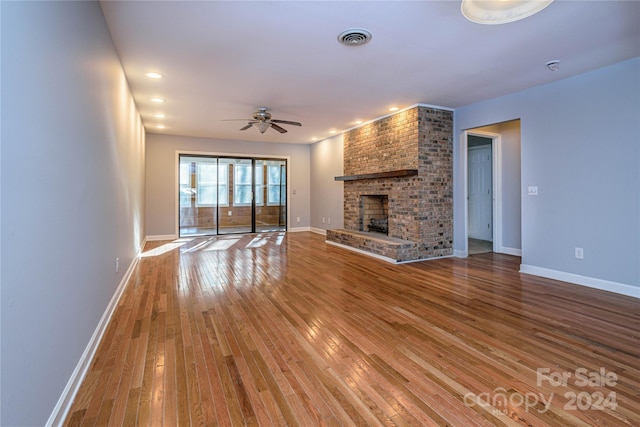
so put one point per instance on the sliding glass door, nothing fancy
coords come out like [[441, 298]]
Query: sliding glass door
[[223, 195]]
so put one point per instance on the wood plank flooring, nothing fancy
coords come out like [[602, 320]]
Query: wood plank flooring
[[276, 329]]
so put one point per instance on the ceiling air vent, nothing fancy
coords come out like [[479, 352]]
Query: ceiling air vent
[[354, 37]]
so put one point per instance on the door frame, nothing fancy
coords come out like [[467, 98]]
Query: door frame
[[176, 178], [496, 182]]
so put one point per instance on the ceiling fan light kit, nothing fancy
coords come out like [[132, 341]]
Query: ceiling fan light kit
[[501, 11], [262, 121], [262, 126]]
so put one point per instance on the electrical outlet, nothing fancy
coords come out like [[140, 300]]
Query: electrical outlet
[[298, 219], [580, 253], [329, 220], [230, 213], [532, 190], [323, 220], [117, 265]]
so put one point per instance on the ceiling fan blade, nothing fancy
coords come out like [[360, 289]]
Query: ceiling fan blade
[[286, 122], [278, 128], [233, 120], [247, 126]]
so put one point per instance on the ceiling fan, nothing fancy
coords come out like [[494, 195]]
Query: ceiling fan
[[262, 121]]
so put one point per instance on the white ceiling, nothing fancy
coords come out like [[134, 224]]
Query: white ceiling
[[224, 59]]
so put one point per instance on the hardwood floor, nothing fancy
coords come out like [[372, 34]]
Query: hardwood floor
[[278, 329]]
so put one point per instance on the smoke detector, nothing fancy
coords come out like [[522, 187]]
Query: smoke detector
[[553, 65], [354, 37]]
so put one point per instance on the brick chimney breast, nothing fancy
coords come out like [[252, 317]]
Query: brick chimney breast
[[420, 207]]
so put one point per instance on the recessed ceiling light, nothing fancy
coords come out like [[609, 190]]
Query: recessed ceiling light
[[393, 109], [500, 11], [161, 127], [333, 131], [154, 75], [315, 138], [160, 116], [158, 100], [358, 122]]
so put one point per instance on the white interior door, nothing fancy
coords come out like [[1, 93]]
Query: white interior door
[[480, 193]]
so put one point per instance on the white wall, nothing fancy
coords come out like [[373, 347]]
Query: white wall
[[72, 195], [328, 194], [581, 146], [161, 176]]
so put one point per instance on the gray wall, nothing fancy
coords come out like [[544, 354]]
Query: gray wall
[[161, 176], [580, 143], [328, 194], [72, 195]]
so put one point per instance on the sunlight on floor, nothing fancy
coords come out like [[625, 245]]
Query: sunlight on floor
[[221, 245], [218, 243], [167, 247], [258, 241]]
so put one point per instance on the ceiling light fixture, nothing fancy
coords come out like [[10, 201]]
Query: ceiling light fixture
[[393, 109], [160, 116], [154, 75], [161, 127], [500, 11], [157, 100], [263, 126]]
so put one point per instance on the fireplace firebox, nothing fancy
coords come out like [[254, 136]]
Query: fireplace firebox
[[374, 213]]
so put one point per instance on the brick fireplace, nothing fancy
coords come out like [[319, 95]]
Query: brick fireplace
[[402, 167]]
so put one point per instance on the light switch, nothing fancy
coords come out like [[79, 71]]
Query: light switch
[[532, 190]]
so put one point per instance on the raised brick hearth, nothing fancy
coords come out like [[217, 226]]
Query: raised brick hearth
[[420, 206]]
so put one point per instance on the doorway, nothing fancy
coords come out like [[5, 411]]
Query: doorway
[[505, 223], [482, 191], [480, 194], [230, 195]]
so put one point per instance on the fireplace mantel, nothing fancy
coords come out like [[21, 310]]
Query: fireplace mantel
[[389, 174]]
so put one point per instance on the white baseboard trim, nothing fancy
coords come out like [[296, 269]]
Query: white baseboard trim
[[298, 229], [510, 251], [161, 237], [460, 254], [604, 285], [318, 231], [62, 408]]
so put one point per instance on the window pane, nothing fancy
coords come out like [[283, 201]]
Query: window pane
[[273, 178], [274, 195], [185, 184], [223, 186], [242, 196], [206, 195], [259, 175], [274, 175], [242, 184], [206, 184]]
